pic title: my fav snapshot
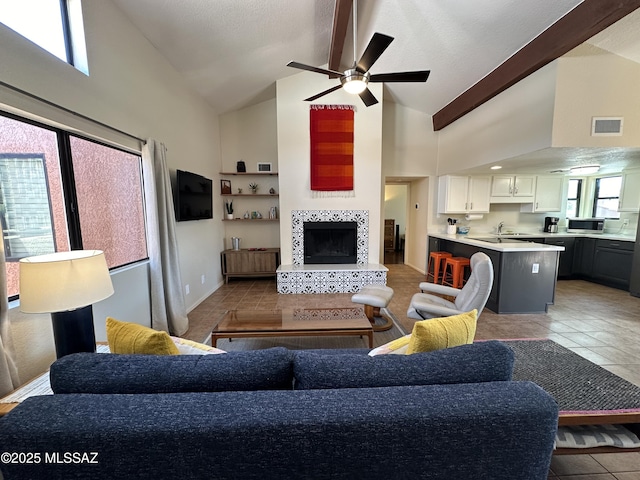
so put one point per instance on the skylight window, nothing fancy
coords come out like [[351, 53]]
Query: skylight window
[[54, 25]]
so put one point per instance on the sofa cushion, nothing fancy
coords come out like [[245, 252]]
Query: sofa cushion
[[129, 338], [446, 332], [267, 369], [478, 362], [497, 431]]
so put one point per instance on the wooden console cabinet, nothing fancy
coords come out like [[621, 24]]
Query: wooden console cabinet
[[249, 263]]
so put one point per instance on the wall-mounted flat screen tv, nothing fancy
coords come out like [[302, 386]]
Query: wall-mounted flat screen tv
[[195, 197]]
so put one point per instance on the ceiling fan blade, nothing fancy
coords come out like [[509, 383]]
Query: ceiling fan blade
[[322, 94], [378, 44], [368, 98], [302, 66], [418, 76]]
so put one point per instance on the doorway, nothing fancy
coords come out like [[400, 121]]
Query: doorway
[[396, 197]]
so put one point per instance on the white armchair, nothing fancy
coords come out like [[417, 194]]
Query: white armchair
[[474, 294]]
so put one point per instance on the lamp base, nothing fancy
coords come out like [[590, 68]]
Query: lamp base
[[73, 331]]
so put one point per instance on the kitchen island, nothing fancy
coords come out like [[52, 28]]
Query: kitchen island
[[525, 272]]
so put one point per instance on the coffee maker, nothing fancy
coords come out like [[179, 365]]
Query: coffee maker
[[551, 224]]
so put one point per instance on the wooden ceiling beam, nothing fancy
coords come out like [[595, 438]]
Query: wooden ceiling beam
[[339, 32], [577, 26]]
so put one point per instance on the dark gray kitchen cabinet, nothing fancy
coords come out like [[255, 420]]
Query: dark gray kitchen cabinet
[[612, 262], [565, 266], [583, 252]]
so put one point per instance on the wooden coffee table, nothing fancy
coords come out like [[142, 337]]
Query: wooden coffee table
[[294, 322]]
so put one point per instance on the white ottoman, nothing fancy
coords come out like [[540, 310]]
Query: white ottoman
[[375, 297]]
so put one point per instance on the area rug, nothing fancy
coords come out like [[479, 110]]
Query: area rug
[[306, 343], [578, 385]]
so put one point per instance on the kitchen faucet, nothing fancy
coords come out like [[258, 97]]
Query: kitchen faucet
[[499, 228]]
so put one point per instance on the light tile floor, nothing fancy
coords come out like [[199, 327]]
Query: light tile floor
[[599, 323]]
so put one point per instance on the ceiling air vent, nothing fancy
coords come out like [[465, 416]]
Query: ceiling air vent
[[606, 127]]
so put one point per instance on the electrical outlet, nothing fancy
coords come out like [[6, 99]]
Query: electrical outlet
[[202, 279], [535, 268], [187, 289]]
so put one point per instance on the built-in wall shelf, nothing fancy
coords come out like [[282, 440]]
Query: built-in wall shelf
[[249, 195], [249, 173], [250, 219], [251, 208]]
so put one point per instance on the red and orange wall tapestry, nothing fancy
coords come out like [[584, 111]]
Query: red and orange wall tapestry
[[332, 150]]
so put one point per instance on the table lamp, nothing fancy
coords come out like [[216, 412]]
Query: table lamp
[[66, 284]]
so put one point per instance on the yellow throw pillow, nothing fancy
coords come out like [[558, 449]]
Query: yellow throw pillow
[[129, 338], [439, 333]]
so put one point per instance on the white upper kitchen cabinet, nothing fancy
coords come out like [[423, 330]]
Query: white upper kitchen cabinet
[[512, 188], [548, 195], [463, 194], [630, 191]]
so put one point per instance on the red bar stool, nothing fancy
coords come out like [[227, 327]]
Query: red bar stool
[[436, 260], [453, 274]]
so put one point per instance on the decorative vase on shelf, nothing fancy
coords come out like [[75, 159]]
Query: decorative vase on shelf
[[253, 187], [229, 216]]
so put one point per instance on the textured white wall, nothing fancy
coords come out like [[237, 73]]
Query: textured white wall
[[517, 121], [250, 134], [293, 157], [595, 83], [130, 87]]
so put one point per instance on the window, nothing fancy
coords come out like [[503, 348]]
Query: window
[[55, 25], [108, 184], [607, 197], [573, 198], [60, 192]]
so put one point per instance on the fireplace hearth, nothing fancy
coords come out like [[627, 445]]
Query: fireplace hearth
[[302, 277], [330, 242]]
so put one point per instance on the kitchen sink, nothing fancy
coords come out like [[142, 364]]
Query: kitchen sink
[[497, 240], [515, 234]]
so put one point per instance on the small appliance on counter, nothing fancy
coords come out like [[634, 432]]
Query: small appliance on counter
[[585, 225], [551, 224]]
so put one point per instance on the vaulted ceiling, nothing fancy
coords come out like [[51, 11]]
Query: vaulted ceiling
[[232, 51]]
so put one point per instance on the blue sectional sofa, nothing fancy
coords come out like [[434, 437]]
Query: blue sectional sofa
[[277, 414]]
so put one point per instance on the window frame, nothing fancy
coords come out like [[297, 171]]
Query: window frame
[[66, 31], [72, 36], [67, 178], [578, 197], [596, 196]]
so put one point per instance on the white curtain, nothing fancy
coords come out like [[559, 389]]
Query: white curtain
[[8, 371], [168, 311]]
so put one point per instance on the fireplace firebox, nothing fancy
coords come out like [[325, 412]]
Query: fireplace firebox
[[330, 242]]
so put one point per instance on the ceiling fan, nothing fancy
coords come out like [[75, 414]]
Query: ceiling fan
[[355, 79]]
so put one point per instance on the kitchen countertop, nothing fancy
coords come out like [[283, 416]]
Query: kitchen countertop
[[512, 244], [522, 245]]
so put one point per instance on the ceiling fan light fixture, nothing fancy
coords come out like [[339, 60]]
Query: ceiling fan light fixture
[[354, 81], [584, 170]]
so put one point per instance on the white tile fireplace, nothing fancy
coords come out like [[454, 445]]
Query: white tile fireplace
[[329, 277]]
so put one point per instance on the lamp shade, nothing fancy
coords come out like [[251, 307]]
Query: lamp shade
[[63, 281]]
